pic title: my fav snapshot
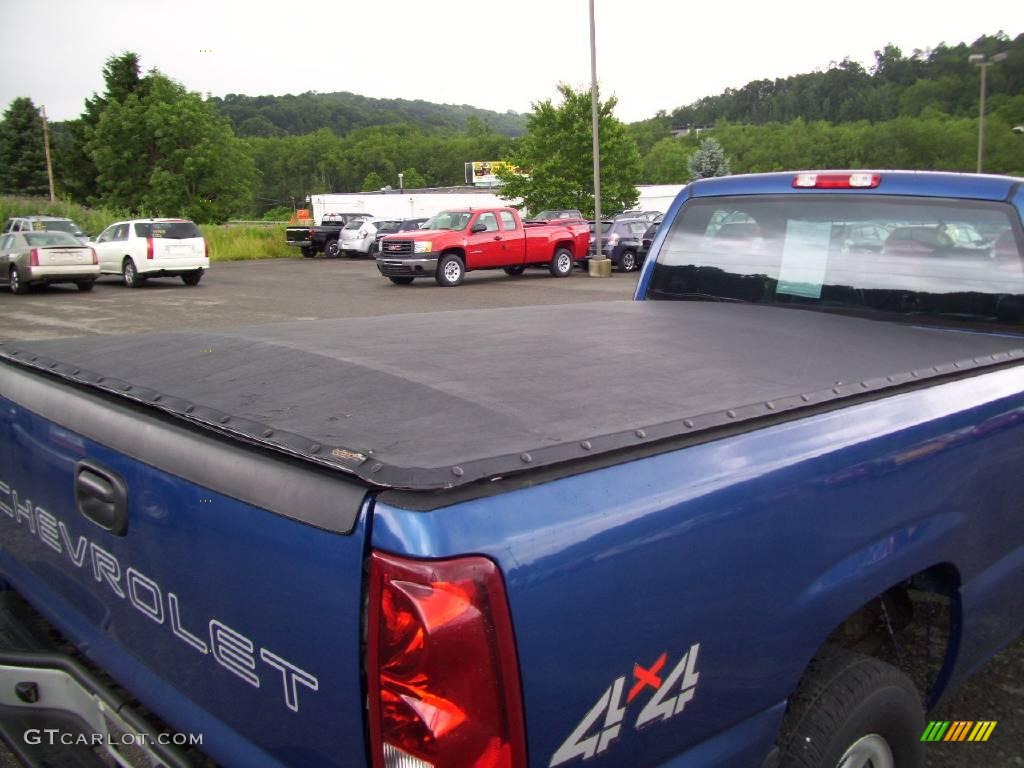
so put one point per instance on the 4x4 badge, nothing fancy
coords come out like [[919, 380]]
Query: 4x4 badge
[[671, 696]]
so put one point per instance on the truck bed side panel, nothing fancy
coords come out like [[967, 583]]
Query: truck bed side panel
[[800, 524]]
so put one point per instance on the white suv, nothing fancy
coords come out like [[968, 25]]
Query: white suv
[[143, 248]]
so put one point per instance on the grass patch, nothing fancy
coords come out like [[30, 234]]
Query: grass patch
[[228, 242], [236, 242]]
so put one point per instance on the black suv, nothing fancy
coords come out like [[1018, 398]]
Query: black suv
[[620, 242]]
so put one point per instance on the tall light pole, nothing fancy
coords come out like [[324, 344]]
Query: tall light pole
[[598, 251], [983, 61]]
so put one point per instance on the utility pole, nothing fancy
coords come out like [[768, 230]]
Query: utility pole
[[984, 62], [46, 146], [598, 250]]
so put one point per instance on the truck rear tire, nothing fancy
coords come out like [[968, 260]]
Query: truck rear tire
[[852, 710], [85, 285], [450, 271], [401, 280], [513, 271], [308, 252], [561, 263], [192, 278]]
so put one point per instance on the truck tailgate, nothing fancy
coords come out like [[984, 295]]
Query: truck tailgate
[[222, 587]]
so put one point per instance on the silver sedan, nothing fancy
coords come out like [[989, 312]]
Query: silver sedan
[[40, 258]]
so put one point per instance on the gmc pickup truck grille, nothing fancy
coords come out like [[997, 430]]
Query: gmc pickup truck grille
[[396, 247]]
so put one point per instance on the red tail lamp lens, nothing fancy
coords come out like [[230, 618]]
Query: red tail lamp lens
[[441, 666]]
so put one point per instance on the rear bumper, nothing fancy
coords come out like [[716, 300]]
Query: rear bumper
[[159, 267], [300, 243], [55, 711], [407, 267], [62, 274]]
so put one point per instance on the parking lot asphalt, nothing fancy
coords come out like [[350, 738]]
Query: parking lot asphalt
[[257, 292]]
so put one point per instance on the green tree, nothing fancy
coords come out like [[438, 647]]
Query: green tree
[[413, 179], [22, 158], [75, 170], [164, 150], [373, 182], [556, 157], [710, 160]]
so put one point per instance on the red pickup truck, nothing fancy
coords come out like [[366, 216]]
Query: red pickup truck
[[455, 242]]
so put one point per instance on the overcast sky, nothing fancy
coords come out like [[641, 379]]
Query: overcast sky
[[653, 54]]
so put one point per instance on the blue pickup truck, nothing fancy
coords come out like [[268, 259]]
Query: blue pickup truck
[[702, 528]]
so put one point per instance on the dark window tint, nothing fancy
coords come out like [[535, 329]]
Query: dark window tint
[[605, 226], [927, 259], [168, 230]]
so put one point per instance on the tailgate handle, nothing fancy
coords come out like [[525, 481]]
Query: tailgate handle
[[102, 497]]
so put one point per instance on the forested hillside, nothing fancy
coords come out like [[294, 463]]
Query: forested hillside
[[343, 112], [938, 80]]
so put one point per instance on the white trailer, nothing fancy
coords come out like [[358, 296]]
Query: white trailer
[[422, 203]]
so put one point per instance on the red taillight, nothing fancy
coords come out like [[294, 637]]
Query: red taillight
[[837, 180], [33, 257], [149, 247], [95, 256], [441, 666]]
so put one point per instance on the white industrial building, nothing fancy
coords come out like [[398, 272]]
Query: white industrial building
[[421, 203]]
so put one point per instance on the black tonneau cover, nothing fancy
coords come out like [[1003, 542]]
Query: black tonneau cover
[[430, 401]]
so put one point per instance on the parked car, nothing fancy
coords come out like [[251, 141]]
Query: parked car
[[44, 224], [357, 237], [43, 257], [620, 242], [390, 227], [648, 237], [567, 213], [455, 242], [142, 248], [323, 238], [645, 215]]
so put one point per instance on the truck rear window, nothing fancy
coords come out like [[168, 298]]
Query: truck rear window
[[924, 259], [170, 230]]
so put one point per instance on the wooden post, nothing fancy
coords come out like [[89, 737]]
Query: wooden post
[[46, 146]]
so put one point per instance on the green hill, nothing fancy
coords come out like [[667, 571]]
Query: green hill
[[343, 112], [939, 80]]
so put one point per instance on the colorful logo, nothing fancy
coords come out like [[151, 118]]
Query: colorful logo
[[958, 730]]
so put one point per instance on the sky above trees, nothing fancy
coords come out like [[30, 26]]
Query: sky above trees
[[652, 54]]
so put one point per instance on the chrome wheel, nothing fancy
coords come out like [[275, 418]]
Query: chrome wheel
[[16, 285], [627, 261], [564, 262], [452, 271], [870, 751], [131, 277]]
